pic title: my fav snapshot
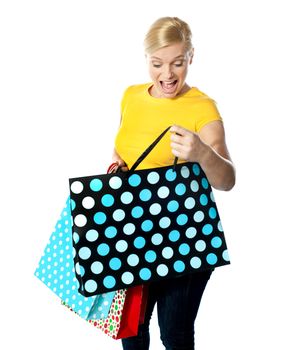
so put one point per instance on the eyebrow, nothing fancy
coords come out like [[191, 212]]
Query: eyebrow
[[175, 58]]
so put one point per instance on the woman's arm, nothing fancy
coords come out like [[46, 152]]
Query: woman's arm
[[116, 158], [209, 149], [120, 162]]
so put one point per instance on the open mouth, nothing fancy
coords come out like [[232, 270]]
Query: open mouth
[[169, 87]]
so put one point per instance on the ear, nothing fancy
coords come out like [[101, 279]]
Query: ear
[[191, 55]]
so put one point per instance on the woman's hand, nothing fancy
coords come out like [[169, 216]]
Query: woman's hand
[[208, 148], [120, 163], [187, 145]]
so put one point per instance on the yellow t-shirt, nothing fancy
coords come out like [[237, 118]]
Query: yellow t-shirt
[[144, 117]]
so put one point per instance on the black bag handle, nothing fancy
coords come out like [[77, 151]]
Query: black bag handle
[[148, 150]]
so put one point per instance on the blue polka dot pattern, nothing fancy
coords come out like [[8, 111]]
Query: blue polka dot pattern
[[157, 239], [207, 229], [84, 253], [97, 267], [57, 271], [126, 198], [109, 282], [144, 226], [145, 195], [110, 232], [180, 189], [153, 177], [194, 186], [139, 242], [216, 242], [182, 219], [96, 185], [108, 200], [174, 236], [147, 225], [91, 236], [211, 258], [121, 246], [115, 264], [145, 274], [164, 222], [150, 256], [205, 183], [162, 270], [103, 249], [179, 266], [190, 203], [115, 183], [90, 286], [185, 172], [134, 180], [100, 218], [167, 252], [155, 209], [196, 169], [129, 229], [173, 206], [191, 232], [170, 175], [118, 215], [127, 278], [203, 199], [184, 249], [195, 262], [137, 212], [133, 259]]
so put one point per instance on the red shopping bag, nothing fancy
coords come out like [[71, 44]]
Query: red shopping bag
[[133, 311], [144, 303]]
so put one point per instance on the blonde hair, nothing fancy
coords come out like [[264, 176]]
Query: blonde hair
[[167, 31]]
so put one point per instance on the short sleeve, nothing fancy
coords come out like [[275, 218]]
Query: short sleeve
[[208, 113], [124, 99]]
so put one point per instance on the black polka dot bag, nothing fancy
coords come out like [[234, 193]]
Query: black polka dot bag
[[145, 225]]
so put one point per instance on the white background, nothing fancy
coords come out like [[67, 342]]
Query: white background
[[64, 66]]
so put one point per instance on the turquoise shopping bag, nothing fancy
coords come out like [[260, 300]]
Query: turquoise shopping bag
[[56, 271]]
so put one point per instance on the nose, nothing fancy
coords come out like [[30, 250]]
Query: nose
[[168, 72]]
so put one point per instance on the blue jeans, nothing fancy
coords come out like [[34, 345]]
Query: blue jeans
[[178, 301]]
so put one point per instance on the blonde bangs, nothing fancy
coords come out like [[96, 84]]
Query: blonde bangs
[[167, 31]]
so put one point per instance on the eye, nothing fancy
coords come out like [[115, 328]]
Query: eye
[[179, 64], [156, 64]]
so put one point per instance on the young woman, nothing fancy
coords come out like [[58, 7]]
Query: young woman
[[196, 135]]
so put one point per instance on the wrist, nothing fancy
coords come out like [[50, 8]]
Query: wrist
[[205, 155]]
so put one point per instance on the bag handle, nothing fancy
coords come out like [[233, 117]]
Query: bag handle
[[148, 150]]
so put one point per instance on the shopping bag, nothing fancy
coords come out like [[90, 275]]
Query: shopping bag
[[111, 324], [131, 312], [56, 271], [101, 306], [144, 225], [145, 293]]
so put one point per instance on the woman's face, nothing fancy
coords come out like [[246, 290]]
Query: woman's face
[[168, 68]]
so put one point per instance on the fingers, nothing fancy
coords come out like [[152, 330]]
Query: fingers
[[179, 150], [124, 168], [183, 143], [179, 130], [180, 135], [176, 146], [117, 167]]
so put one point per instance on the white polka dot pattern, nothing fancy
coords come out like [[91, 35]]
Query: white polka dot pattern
[[148, 225], [56, 269]]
